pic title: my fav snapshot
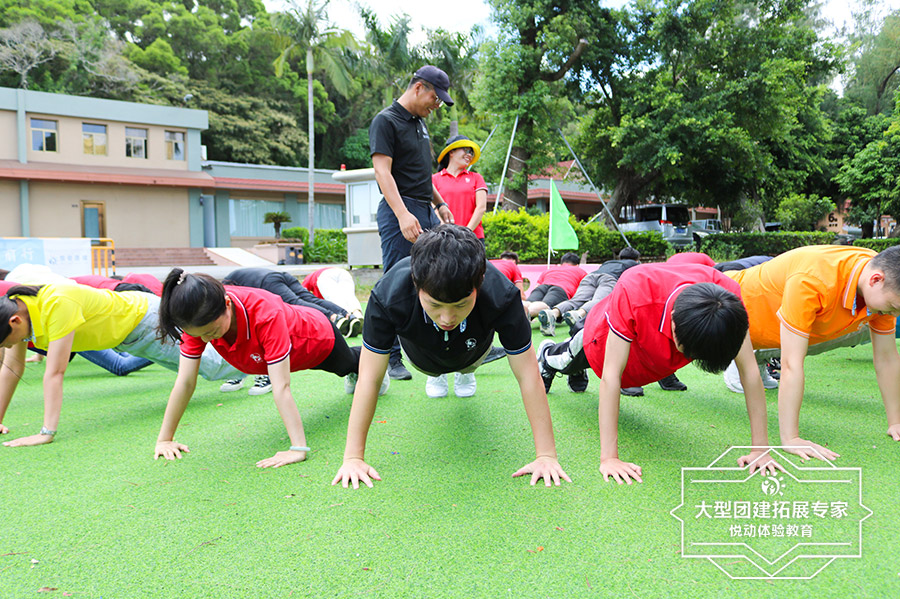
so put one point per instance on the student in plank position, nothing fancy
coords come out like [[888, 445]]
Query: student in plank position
[[813, 299], [257, 333], [445, 303], [656, 320]]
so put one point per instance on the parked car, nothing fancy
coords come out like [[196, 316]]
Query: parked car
[[670, 220], [712, 225]]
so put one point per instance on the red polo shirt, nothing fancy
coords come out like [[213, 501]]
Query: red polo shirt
[[148, 281], [97, 281], [509, 269], [268, 331], [311, 282], [566, 276], [639, 310], [459, 193]]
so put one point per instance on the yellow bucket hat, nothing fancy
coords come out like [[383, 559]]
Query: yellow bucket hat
[[460, 141]]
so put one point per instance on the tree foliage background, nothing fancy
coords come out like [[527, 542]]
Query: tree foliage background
[[718, 103]]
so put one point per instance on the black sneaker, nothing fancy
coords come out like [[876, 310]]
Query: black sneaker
[[342, 323], [495, 354], [547, 373], [355, 328], [398, 372], [578, 382], [632, 391], [773, 366], [671, 383]]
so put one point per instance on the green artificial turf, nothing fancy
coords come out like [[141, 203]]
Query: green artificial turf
[[92, 515]]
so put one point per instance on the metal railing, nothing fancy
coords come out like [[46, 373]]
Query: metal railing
[[103, 256]]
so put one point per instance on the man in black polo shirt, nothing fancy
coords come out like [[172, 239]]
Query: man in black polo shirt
[[445, 302], [402, 157]]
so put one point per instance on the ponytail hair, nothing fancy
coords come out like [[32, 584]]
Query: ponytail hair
[[188, 300], [8, 306]]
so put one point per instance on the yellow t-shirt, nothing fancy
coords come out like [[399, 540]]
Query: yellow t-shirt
[[101, 318], [812, 291]]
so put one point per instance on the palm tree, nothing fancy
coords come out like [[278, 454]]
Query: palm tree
[[276, 219], [305, 29]]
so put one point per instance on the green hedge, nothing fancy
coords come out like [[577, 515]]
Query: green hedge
[[527, 235], [877, 244], [330, 245], [731, 246]]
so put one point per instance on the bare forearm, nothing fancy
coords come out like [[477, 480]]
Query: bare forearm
[[608, 414], [53, 393], [790, 398], [538, 412], [290, 415], [361, 414], [887, 372], [178, 401]]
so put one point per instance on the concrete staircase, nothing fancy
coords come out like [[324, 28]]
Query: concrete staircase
[[162, 257]]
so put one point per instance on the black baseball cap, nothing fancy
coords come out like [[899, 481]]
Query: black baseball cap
[[437, 78]]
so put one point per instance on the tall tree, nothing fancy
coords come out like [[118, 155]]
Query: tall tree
[[306, 29], [521, 77], [717, 102]]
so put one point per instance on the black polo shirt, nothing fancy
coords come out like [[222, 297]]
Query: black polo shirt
[[394, 310], [397, 133]]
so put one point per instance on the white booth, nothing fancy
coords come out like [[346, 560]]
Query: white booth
[[362, 197]]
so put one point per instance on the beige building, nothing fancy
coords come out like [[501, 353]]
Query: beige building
[[86, 167]]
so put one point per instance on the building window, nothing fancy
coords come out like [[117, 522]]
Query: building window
[[43, 135], [174, 145], [135, 142], [94, 138]]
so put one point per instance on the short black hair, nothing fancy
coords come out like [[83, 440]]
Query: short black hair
[[447, 262], [570, 258], [888, 262], [188, 300], [510, 255], [9, 306], [132, 287], [710, 324], [629, 253]]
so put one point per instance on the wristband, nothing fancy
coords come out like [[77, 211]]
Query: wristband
[[299, 448], [441, 205], [47, 431]]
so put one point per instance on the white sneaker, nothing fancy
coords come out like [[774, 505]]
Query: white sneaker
[[464, 384], [436, 386], [733, 378], [261, 386], [767, 380], [231, 385], [351, 379]]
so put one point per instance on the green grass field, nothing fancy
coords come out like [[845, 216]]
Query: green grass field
[[92, 515]]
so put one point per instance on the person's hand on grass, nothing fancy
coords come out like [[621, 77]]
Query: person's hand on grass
[[544, 467], [808, 450], [622, 472], [30, 440], [282, 458], [3, 430], [354, 470], [893, 431], [170, 450], [759, 459]]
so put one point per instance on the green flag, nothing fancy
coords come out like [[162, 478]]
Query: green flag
[[562, 235]]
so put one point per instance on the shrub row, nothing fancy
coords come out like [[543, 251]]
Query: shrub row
[[527, 235], [330, 246], [877, 244], [731, 246]]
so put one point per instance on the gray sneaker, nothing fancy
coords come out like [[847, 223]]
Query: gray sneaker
[[548, 322]]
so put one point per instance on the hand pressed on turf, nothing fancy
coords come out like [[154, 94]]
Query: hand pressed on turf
[[30, 440], [808, 450], [354, 470], [757, 461], [893, 431], [282, 458], [3, 430], [170, 450], [621, 471], [544, 467]]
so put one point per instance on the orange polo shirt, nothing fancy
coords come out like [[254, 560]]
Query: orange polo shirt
[[812, 291]]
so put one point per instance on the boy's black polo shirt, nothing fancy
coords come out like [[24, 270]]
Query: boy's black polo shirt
[[397, 133], [394, 309]]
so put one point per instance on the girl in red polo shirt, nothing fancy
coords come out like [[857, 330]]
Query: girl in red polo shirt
[[464, 192], [256, 332]]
